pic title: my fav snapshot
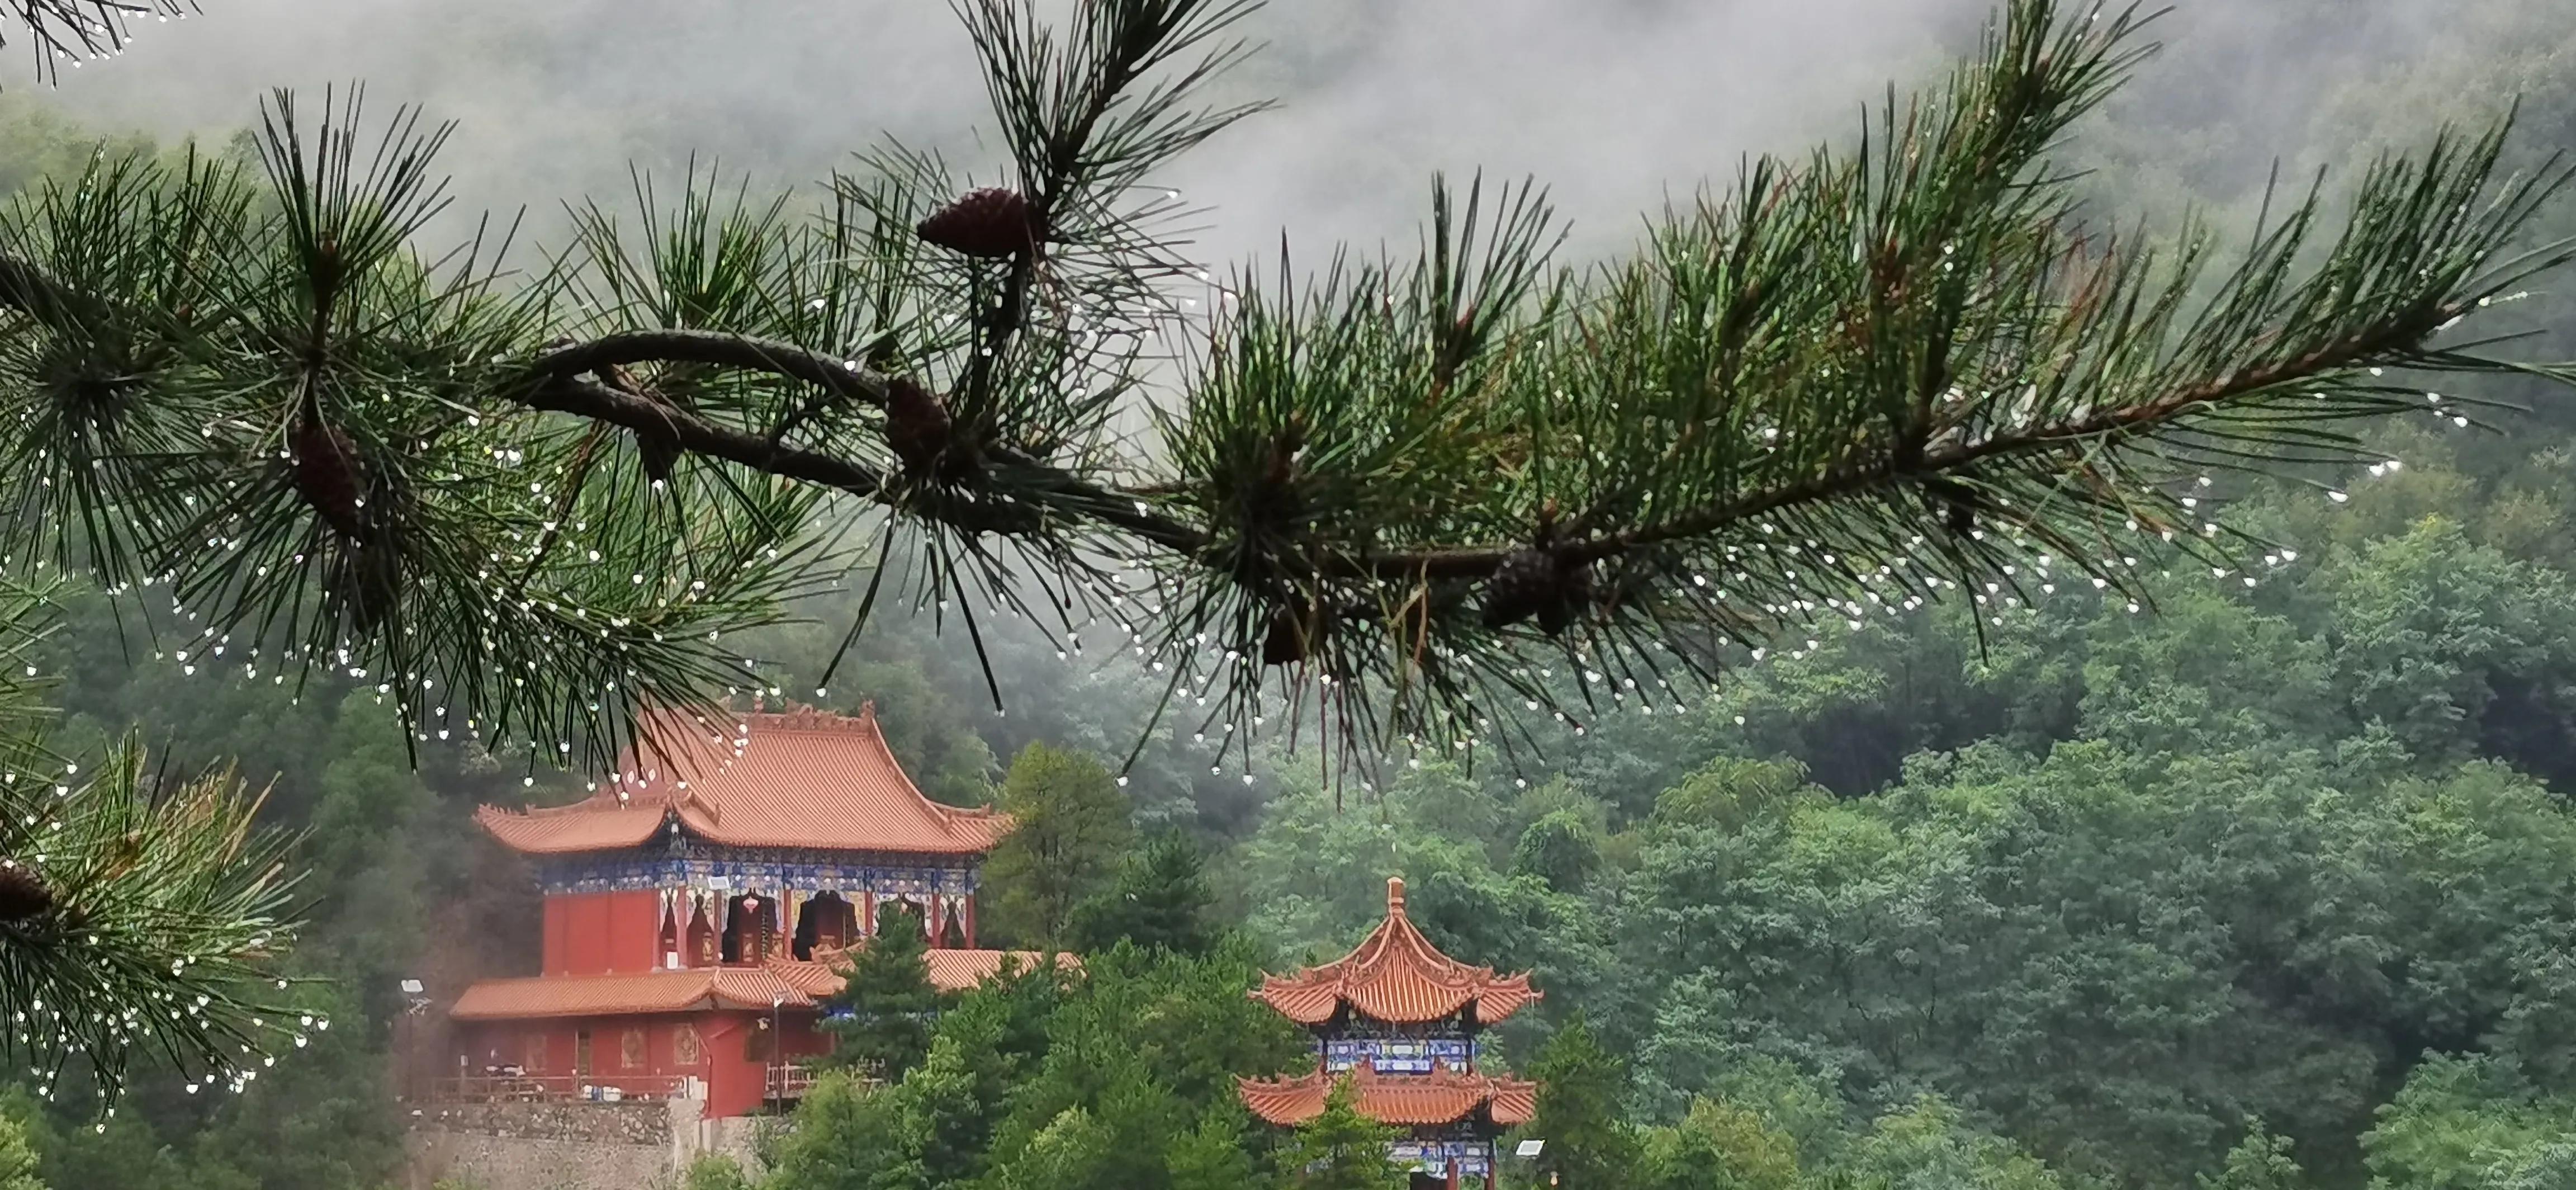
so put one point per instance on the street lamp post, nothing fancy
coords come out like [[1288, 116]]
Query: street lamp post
[[414, 1004], [1529, 1150], [777, 1048]]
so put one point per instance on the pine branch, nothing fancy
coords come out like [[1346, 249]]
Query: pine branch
[[1393, 489], [1865, 472], [78, 31], [130, 919]]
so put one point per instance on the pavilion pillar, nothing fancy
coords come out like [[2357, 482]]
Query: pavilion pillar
[[1453, 1173], [970, 920], [868, 914]]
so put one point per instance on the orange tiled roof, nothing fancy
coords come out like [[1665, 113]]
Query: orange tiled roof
[[1441, 1097], [618, 995], [802, 778], [950, 970], [1396, 975], [793, 984]]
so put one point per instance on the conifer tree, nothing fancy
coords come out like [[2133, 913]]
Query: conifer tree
[[1340, 1149], [881, 1019], [1215, 1155], [1579, 1116], [1159, 901]]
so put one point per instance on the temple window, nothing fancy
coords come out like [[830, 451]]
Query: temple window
[[826, 923], [753, 932], [702, 941]]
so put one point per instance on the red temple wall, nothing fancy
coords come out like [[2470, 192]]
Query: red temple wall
[[731, 1054], [555, 934], [634, 930], [738, 1070], [597, 933], [735, 1083]]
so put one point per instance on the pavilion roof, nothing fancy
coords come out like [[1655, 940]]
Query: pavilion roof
[[1396, 975], [801, 778], [788, 983], [1443, 1096]]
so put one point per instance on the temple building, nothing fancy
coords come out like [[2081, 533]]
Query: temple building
[[696, 904], [1403, 1022]]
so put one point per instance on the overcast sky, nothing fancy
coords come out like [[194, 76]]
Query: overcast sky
[[1614, 104], [1610, 102]]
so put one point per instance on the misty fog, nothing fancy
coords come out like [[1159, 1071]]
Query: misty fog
[[1615, 105]]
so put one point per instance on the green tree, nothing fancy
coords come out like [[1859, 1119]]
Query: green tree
[[1069, 824], [1216, 1154], [1719, 1146], [1580, 1086], [1559, 849], [1144, 1044], [882, 1018], [17, 1155], [2469, 1122], [1926, 1146], [2262, 1161], [1340, 1149], [715, 1171], [1075, 1151], [846, 1136], [1160, 900]]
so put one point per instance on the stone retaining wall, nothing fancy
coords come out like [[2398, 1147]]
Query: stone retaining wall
[[484, 1162], [569, 1146], [644, 1122]]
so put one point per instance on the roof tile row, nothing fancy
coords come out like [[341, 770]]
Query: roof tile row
[[801, 778], [1396, 975], [1443, 1096], [790, 984]]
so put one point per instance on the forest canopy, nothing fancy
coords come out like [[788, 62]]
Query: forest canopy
[[2074, 807]]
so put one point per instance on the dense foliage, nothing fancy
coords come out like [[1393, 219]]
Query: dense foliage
[[2267, 882]]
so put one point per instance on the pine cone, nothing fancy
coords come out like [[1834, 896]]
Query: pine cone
[[1571, 595], [22, 893], [327, 474], [1532, 582], [1520, 586], [1957, 503], [991, 223], [659, 454], [1295, 634]]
